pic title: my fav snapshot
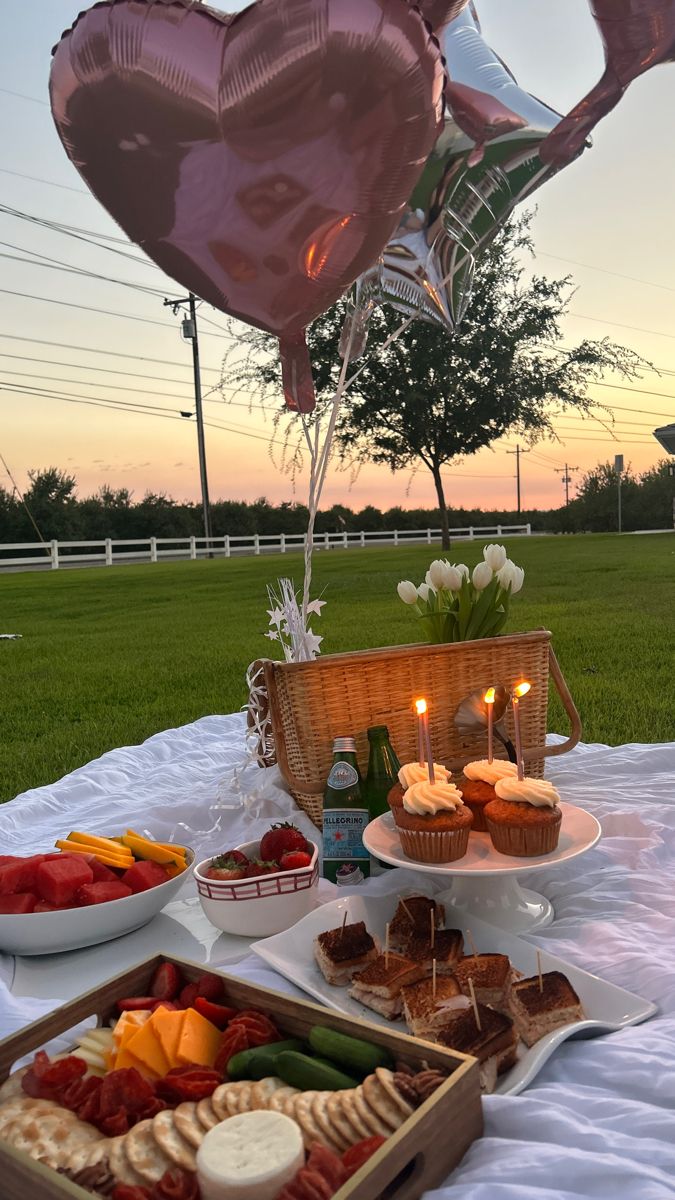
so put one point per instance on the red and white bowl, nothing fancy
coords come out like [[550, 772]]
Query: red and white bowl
[[260, 906]]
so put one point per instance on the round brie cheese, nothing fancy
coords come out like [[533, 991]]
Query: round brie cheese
[[249, 1157]]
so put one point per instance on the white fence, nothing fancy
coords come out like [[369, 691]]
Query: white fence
[[109, 553]]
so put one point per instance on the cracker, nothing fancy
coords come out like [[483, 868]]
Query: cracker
[[385, 1078], [381, 1104], [172, 1142], [89, 1154], [277, 1102], [370, 1118], [338, 1120], [262, 1091], [144, 1154], [119, 1165], [303, 1116], [224, 1100], [53, 1135], [206, 1114], [23, 1105], [351, 1115], [331, 1136], [12, 1086], [188, 1123], [244, 1098]]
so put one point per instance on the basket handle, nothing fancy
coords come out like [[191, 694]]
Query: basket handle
[[570, 708]]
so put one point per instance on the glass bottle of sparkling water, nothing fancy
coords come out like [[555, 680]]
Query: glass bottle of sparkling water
[[345, 816], [383, 769]]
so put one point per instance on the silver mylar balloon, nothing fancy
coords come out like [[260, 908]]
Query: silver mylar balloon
[[486, 160]]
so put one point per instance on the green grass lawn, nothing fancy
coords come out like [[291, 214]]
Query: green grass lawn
[[110, 656]]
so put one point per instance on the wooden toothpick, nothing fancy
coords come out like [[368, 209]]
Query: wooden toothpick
[[432, 918], [344, 922], [472, 944], [405, 906], [386, 947], [433, 978], [475, 1005], [541, 977]]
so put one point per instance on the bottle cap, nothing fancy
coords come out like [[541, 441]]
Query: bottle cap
[[345, 744], [376, 732]]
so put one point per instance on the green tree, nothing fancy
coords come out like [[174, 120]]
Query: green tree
[[428, 399]]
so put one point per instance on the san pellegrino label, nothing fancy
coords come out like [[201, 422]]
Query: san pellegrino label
[[343, 834], [342, 775]]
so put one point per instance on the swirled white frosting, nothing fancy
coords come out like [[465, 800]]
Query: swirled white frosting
[[424, 799], [490, 772], [412, 772], [538, 792]]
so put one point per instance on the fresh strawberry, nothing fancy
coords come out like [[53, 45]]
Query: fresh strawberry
[[235, 856], [280, 838], [210, 987], [188, 995], [226, 868], [257, 867], [166, 982], [293, 860]]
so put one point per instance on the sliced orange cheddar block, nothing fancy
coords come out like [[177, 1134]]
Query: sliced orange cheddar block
[[169, 1027], [145, 1046], [130, 1020], [102, 856], [142, 848], [124, 1058], [99, 843], [199, 1041]]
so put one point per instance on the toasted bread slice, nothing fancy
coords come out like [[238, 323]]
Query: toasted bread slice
[[426, 1008], [411, 918], [492, 978], [380, 983], [341, 952], [540, 1007]]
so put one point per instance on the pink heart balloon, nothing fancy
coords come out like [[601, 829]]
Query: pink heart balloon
[[637, 35], [261, 159]]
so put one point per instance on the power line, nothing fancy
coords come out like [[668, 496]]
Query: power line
[[605, 271], [119, 387], [15, 337], [36, 179], [621, 325], [106, 312], [23, 96], [53, 264], [57, 227]]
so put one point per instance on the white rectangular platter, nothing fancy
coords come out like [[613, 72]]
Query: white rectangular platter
[[607, 1007]]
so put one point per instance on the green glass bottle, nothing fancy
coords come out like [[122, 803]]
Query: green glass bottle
[[383, 769], [345, 816]]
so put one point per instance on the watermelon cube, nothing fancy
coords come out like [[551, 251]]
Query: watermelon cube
[[43, 906], [58, 880], [102, 874], [100, 892], [20, 875], [144, 875], [20, 902]]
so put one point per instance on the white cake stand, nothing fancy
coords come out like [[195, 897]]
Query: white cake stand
[[486, 883]]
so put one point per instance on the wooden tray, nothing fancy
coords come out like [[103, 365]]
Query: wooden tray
[[419, 1156]]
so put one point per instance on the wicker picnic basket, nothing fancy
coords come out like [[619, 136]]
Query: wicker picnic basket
[[312, 703]]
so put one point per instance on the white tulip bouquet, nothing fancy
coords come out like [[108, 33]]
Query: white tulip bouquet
[[457, 605]]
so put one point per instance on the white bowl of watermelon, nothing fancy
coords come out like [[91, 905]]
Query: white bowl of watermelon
[[260, 888], [86, 892]]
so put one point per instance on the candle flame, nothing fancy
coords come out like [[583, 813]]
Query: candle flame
[[489, 696], [522, 689], [420, 707]]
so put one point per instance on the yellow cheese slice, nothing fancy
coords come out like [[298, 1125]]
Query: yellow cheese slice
[[130, 1020], [144, 1045], [168, 1027], [199, 1041], [125, 1059]]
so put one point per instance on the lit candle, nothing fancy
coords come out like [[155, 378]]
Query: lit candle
[[519, 691], [420, 706], [489, 699], [425, 736]]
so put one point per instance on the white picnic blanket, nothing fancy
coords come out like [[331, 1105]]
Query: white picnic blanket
[[599, 1121]]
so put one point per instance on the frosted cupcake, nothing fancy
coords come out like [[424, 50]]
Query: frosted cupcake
[[410, 773], [478, 786], [525, 818], [433, 823]]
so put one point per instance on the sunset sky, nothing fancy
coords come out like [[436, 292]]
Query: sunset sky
[[607, 220]]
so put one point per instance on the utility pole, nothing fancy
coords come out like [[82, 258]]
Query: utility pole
[[618, 467], [566, 479], [189, 332], [518, 453]]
